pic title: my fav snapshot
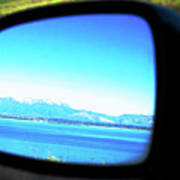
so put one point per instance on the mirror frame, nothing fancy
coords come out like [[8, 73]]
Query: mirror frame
[[156, 17]]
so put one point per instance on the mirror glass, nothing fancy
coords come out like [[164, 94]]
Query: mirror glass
[[78, 89]]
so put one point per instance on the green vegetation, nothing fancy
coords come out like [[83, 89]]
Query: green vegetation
[[53, 158], [173, 4], [11, 6]]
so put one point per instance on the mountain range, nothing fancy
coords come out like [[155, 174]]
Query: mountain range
[[46, 110]]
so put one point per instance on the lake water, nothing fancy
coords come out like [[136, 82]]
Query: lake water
[[74, 143]]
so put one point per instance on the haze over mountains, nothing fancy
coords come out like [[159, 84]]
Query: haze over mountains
[[46, 110]]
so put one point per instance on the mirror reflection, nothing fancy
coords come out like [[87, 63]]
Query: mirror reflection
[[78, 89]]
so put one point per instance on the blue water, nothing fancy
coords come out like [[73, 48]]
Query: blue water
[[74, 143]]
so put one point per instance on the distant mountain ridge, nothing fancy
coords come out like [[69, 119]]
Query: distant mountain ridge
[[37, 109]]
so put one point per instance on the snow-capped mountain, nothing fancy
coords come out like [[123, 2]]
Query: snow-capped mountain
[[32, 101], [60, 112]]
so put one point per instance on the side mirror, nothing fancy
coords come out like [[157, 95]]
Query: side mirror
[[85, 87]]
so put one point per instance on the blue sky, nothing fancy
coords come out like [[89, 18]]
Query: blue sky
[[103, 63]]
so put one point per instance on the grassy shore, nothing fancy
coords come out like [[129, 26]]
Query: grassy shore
[[11, 6]]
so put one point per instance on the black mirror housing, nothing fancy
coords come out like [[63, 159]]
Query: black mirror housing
[[165, 25]]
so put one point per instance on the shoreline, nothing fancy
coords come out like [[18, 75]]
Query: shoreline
[[74, 122]]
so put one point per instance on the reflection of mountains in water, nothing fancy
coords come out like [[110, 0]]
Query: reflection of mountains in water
[[33, 109]]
